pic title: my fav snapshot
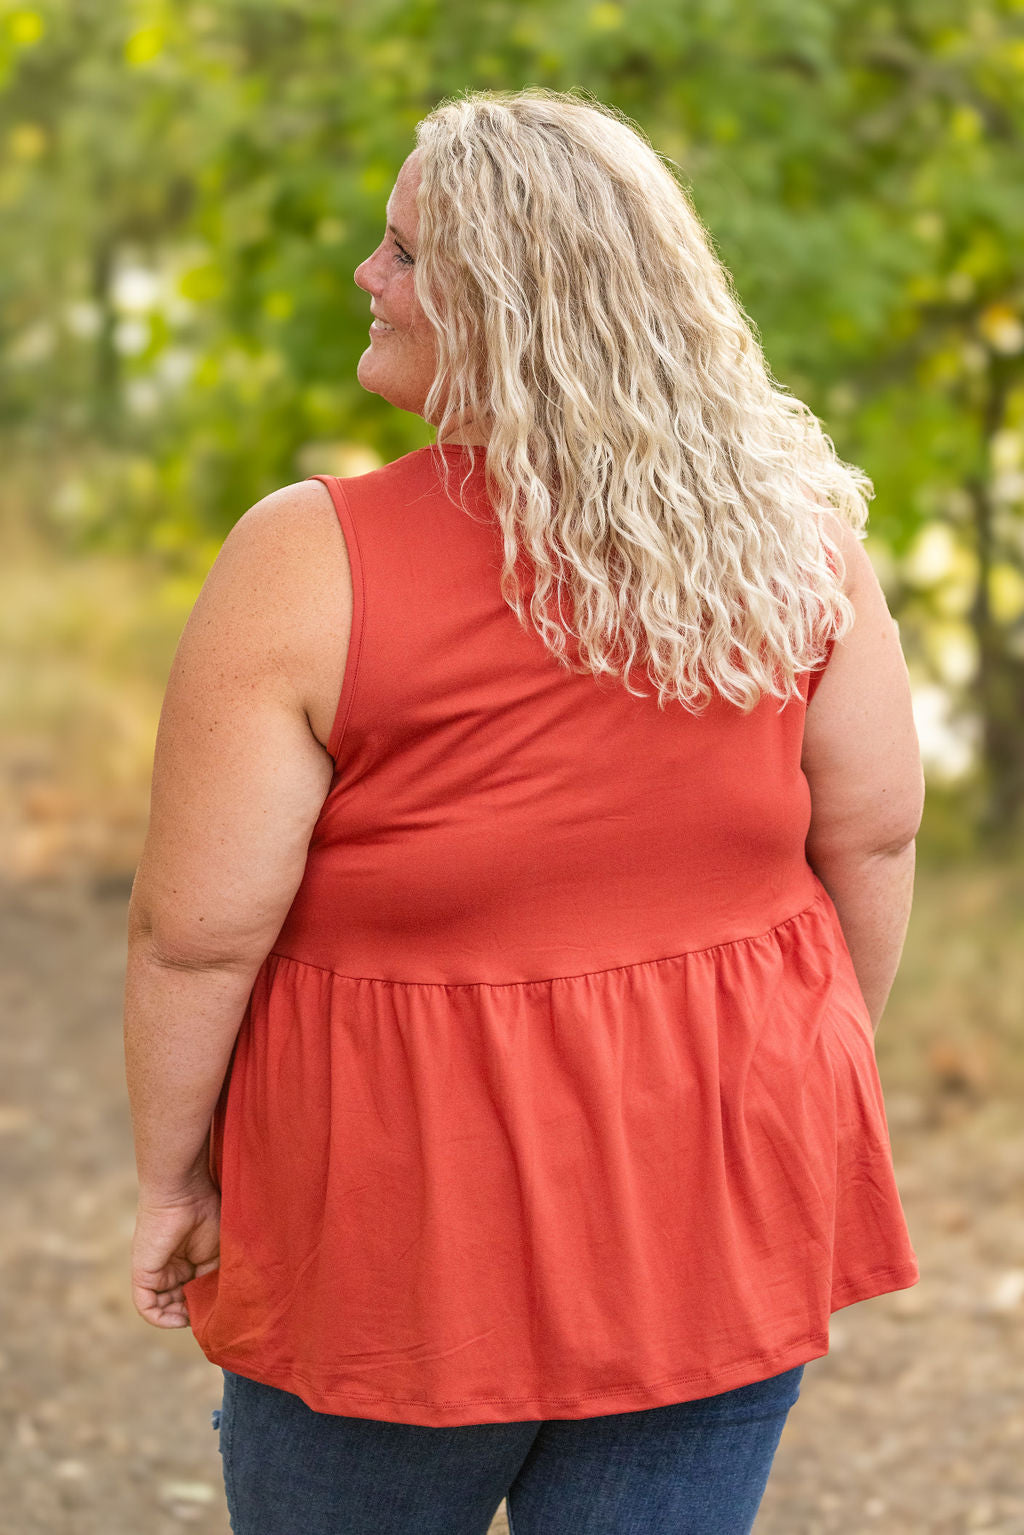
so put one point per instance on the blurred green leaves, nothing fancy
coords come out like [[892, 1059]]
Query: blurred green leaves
[[857, 165]]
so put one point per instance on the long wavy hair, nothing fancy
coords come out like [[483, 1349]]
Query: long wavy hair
[[646, 469]]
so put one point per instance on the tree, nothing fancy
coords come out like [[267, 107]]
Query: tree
[[857, 167]]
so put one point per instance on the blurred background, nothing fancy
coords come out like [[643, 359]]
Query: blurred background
[[185, 191]]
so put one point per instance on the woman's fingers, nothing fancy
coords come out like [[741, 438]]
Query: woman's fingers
[[171, 1246], [161, 1308]]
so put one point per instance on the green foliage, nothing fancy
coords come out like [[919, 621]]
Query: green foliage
[[857, 164]]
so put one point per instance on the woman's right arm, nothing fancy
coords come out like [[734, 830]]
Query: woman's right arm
[[862, 761]]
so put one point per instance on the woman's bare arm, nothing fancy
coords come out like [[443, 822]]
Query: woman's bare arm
[[862, 761], [238, 783]]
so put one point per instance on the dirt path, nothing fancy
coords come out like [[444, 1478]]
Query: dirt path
[[914, 1423]]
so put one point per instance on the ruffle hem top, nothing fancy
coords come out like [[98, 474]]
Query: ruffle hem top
[[556, 1095]]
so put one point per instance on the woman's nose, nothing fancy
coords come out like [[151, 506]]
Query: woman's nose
[[365, 276]]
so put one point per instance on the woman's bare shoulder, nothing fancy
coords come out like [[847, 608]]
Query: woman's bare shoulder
[[286, 559], [860, 750], [857, 567], [303, 508]]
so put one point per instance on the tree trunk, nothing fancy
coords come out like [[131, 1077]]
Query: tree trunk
[[1000, 677]]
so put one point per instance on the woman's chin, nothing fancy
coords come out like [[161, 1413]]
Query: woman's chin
[[368, 374]]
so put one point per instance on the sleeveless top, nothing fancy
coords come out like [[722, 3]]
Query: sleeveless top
[[556, 1095]]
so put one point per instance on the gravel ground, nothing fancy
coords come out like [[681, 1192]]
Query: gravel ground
[[913, 1423]]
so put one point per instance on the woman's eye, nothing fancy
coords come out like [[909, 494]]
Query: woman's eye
[[402, 256]]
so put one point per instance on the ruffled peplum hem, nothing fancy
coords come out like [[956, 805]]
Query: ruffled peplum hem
[[550, 1199]]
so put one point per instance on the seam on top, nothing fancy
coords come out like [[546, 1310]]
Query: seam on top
[[380, 980], [760, 1358], [343, 512], [892, 1275]]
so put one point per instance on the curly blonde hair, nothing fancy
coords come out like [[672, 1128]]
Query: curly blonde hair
[[640, 454]]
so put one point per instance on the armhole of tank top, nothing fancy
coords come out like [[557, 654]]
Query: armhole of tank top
[[816, 673], [355, 644]]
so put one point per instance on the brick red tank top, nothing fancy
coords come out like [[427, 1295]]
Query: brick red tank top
[[556, 1095]]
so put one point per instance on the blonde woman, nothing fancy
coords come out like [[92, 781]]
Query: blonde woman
[[530, 858]]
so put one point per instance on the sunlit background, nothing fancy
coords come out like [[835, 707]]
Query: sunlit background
[[185, 191]]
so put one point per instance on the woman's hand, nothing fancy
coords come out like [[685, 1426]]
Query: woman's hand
[[176, 1239]]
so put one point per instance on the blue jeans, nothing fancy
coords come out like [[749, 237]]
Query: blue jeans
[[692, 1468]]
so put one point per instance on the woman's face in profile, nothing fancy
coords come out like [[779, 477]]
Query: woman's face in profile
[[401, 360]]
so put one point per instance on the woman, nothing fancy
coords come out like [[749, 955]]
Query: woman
[[511, 929]]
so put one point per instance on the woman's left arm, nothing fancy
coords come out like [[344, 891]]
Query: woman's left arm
[[239, 779]]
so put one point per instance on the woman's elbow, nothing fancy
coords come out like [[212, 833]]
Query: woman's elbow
[[884, 822]]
